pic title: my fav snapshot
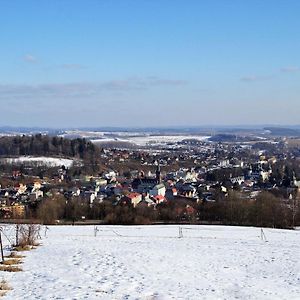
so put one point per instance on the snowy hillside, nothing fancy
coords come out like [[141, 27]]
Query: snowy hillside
[[39, 161], [152, 262]]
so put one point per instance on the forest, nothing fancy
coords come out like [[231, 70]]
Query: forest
[[46, 146]]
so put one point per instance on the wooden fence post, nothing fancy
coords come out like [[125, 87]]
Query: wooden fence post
[[1, 246]]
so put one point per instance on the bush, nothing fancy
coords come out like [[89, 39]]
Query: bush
[[28, 235]]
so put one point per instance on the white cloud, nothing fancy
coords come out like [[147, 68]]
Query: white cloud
[[30, 58]]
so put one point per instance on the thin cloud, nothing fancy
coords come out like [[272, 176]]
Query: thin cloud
[[255, 78], [72, 66], [290, 69], [30, 58], [83, 89], [249, 78], [160, 81]]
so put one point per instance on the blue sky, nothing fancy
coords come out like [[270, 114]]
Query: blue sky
[[149, 63]]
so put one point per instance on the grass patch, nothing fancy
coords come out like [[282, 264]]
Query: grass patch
[[9, 268], [14, 255], [22, 248], [4, 288], [12, 261]]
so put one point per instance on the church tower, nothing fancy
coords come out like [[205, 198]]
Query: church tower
[[158, 174]]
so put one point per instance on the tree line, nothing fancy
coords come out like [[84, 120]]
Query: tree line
[[46, 146], [266, 211]]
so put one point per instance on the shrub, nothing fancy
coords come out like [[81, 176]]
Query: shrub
[[28, 235]]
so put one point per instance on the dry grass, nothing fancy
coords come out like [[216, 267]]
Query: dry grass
[[2, 293], [14, 255], [23, 248], [13, 261], [9, 268], [4, 288]]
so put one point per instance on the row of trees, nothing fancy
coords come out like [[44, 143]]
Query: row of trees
[[45, 145], [266, 211]]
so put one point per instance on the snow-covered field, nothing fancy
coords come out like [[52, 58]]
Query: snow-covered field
[[150, 139], [152, 262], [39, 161], [137, 138]]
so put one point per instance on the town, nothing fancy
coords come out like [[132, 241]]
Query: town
[[216, 180], [150, 150]]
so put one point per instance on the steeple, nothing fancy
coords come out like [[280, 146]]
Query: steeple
[[158, 175]]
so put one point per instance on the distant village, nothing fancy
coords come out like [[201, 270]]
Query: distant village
[[190, 181]]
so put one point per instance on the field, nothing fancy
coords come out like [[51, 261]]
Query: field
[[38, 161], [141, 139], [157, 262], [147, 140]]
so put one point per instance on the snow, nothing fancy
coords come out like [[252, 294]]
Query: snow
[[137, 138], [152, 262], [150, 139], [40, 161], [163, 139]]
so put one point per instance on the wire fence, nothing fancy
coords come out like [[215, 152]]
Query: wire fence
[[180, 232], [204, 232]]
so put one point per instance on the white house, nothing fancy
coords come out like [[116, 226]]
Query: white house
[[158, 190]]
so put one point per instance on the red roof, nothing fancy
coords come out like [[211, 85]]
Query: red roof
[[159, 197], [133, 195]]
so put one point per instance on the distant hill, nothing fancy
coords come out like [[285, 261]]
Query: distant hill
[[282, 131], [225, 137]]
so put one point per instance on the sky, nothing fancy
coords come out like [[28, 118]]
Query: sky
[[149, 63]]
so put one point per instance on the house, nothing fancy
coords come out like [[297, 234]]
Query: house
[[171, 193], [37, 194], [145, 184], [187, 175], [237, 180], [118, 189], [15, 211], [187, 190], [36, 186], [101, 182], [159, 199], [133, 198], [22, 189], [158, 190], [224, 163], [110, 175]]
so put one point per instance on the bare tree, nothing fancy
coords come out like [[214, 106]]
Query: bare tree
[[28, 234]]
